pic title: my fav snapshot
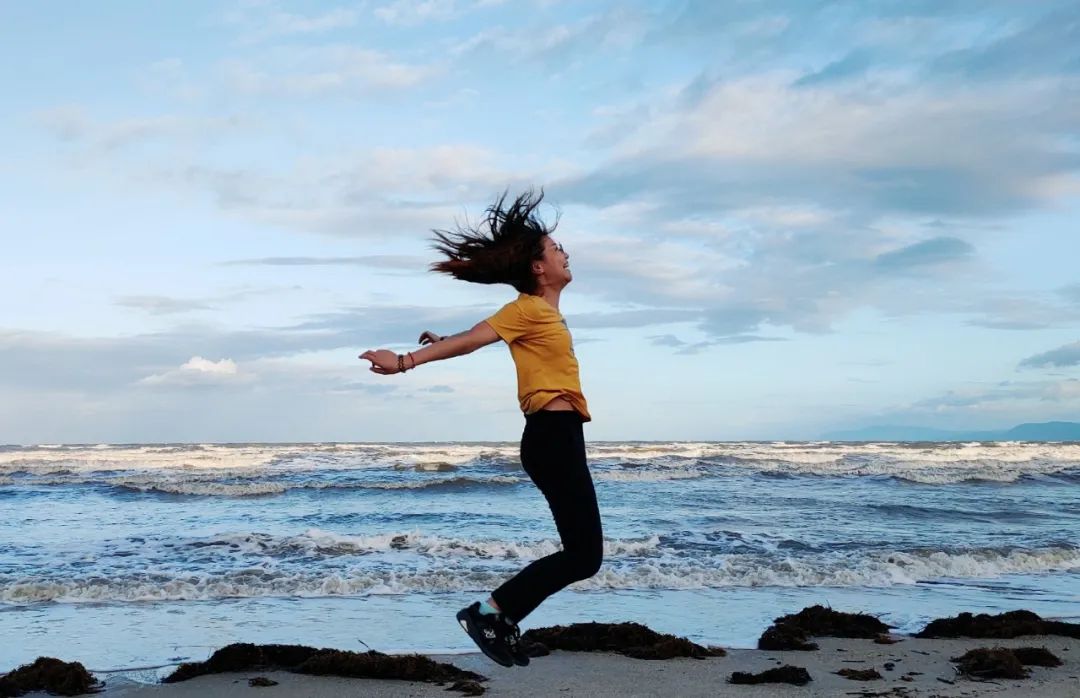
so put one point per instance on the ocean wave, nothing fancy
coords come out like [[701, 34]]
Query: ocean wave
[[312, 547], [945, 463], [227, 485], [929, 514], [443, 483], [877, 570], [919, 472], [101, 458], [328, 543], [206, 489], [642, 475]]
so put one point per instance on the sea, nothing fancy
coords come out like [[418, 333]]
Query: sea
[[140, 555]]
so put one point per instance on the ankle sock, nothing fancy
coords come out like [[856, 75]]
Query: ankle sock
[[488, 609]]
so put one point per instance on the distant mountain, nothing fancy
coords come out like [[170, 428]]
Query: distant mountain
[[1044, 431]]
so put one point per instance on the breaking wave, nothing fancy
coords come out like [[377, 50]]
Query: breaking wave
[[877, 570]]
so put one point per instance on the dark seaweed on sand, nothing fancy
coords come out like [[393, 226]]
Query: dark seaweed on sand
[[785, 636], [784, 674], [793, 632], [1036, 656], [630, 639], [1004, 662], [52, 675], [819, 621], [324, 662], [1002, 625], [859, 674], [987, 663]]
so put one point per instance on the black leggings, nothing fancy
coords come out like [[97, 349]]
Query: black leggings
[[553, 454]]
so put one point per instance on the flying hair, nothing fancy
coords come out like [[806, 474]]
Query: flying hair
[[501, 249]]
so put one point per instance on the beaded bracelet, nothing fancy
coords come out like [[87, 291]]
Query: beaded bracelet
[[401, 362]]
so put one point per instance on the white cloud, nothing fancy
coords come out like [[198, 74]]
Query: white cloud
[[896, 143], [198, 371], [263, 20], [410, 12], [323, 70], [74, 124], [362, 193], [560, 45], [413, 12], [1062, 357], [163, 305]]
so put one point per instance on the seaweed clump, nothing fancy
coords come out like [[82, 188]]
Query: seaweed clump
[[630, 639], [859, 674], [324, 662], [793, 632], [1036, 656], [785, 674], [1000, 626], [785, 636], [987, 663], [1004, 662], [820, 621], [50, 674]]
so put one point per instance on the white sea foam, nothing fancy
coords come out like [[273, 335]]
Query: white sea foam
[[923, 463], [208, 489], [330, 543], [228, 484], [925, 472], [878, 570], [103, 458], [442, 482], [640, 475]]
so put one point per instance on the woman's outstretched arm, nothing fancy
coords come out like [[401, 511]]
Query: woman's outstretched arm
[[385, 362]]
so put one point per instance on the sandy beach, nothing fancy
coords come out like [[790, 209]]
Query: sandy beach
[[924, 661]]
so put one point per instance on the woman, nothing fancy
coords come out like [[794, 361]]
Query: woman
[[516, 248]]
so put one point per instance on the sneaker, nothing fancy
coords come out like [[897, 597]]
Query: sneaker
[[512, 638], [488, 632]]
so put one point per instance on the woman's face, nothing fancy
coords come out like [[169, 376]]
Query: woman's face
[[554, 266]]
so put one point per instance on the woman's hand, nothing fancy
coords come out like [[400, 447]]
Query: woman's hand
[[383, 361], [430, 337]]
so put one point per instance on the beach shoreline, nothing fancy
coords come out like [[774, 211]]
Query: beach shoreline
[[601, 674], [920, 667]]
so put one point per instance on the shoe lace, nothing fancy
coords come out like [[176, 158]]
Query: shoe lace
[[513, 634]]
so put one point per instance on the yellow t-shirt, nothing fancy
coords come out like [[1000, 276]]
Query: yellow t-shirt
[[543, 353]]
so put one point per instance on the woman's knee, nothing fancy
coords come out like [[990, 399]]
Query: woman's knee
[[587, 562]]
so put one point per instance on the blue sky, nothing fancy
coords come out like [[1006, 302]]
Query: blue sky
[[784, 218]]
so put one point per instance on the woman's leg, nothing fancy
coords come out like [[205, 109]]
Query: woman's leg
[[553, 454]]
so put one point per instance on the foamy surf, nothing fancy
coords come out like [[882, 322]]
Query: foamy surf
[[919, 463], [881, 570]]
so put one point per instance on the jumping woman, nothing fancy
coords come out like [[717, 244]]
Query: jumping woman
[[514, 246]]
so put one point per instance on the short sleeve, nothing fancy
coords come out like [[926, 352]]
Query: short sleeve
[[510, 322]]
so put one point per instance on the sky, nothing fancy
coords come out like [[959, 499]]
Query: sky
[[784, 218]]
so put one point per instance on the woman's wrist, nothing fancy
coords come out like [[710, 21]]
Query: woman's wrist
[[405, 362]]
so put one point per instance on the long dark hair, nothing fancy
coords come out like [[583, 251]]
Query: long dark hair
[[501, 249]]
